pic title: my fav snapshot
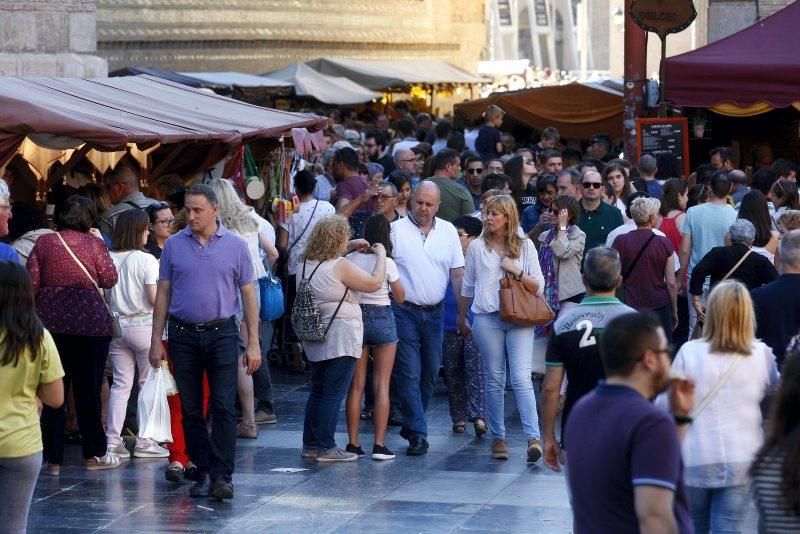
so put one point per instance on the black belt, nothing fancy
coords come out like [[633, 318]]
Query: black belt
[[200, 327], [421, 307]]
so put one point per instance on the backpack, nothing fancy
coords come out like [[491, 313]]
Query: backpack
[[306, 315]]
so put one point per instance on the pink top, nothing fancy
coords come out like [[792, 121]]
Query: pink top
[[66, 300]]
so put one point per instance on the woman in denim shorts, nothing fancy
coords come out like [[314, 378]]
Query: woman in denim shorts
[[380, 339]]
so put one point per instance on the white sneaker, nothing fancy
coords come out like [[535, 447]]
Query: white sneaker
[[153, 451], [118, 450]]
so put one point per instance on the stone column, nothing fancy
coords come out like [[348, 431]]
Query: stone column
[[49, 38]]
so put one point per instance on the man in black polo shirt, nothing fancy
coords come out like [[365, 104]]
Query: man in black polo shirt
[[573, 348], [597, 218]]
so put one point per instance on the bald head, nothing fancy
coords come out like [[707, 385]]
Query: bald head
[[592, 174], [425, 202]]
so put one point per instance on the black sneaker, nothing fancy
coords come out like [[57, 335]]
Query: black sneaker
[[380, 452], [417, 446], [354, 449]]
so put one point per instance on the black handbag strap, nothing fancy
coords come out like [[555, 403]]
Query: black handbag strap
[[638, 256], [311, 218]]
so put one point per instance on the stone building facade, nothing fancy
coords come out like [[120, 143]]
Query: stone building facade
[[49, 38], [259, 35]]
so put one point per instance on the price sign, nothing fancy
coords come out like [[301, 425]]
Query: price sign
[[659, 137]]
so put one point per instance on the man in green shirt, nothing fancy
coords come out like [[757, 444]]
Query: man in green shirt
[[597, 218], [456, 200]]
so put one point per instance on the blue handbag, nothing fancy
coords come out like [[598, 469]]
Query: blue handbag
[[272, 304]]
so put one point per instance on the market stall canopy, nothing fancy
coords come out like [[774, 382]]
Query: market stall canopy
[[576, 110], [327, 89], [752, 71], [236, 79], [381, 75], [139, 112], [169, 75]]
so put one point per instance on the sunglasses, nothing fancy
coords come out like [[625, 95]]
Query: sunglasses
[[473, 171], [590, 185]]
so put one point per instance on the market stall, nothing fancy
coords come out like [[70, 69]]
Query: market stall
[[66, 123], [327, 89], [576, 110]]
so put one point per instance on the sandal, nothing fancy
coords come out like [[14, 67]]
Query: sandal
[[460, 427], [109, 461], [366, 415], [480, 427], [53, 470]]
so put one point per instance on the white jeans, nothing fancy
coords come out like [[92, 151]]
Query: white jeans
[[127, 352]]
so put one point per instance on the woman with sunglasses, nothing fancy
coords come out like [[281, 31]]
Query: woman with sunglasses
[[560, 255], [784, 196], [161, 221], [522, 171]]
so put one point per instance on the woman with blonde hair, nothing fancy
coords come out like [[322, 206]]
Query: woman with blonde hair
[[241, 219], [733, 371], [501, 251], [336, 283]]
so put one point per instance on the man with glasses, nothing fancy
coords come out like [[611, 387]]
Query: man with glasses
[[597, 218], [455, 199], [123, 191], [474, 172], [624, 468], [6, 252], [386, 201]]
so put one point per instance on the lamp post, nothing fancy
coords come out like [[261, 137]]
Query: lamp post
[[635, 74]]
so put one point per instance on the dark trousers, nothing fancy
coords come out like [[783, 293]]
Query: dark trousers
[[262, 380], [84, 361], [665, 315], [330, 380], [214, 351]]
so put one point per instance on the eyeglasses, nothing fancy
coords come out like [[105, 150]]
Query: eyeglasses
[[381, 196], [595, 185], [473, 171], [166, 223]]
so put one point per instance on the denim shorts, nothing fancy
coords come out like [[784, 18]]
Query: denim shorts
[[379, 327]]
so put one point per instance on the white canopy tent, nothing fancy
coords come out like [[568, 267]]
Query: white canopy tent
[[327, 89]]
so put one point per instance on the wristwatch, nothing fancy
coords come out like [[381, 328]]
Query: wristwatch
[[683, 420], [562, 228]]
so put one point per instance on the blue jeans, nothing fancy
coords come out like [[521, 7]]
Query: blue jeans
[[718, 510], [497, 342], [330, 380], [416, 366], [216, 352]]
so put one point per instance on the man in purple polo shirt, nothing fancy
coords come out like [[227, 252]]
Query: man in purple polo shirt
[[203, 269], [624, 466]]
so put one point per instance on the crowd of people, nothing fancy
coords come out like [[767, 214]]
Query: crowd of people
[[392, 266]]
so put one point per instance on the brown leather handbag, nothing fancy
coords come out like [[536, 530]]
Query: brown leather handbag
[[521, 307]]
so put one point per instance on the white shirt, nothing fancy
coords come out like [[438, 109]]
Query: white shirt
[[297, 222], [265, 232], [135, 269], [722, 441], [630, 226], [424, 263], [482, 274], [367, 262]]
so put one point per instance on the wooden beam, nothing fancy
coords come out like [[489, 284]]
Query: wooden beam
[[155, 173]]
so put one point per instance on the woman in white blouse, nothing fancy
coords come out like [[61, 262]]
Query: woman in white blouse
[[501, 251], [722, 442]]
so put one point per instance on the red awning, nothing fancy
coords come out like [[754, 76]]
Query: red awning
[[109, 113], [758, 64]]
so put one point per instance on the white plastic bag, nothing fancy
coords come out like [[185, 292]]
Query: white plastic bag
[[172, 386], [153, 408]]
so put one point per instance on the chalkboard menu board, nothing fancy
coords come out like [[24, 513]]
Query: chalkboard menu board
[[659, 137]]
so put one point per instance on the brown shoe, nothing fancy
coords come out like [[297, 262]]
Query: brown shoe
[[534, 450], [247, 431], [500, 449]]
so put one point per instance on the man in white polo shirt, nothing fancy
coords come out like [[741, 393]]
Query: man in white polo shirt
[[428, 254]]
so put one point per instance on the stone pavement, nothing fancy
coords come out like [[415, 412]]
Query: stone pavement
[[457, 487]]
